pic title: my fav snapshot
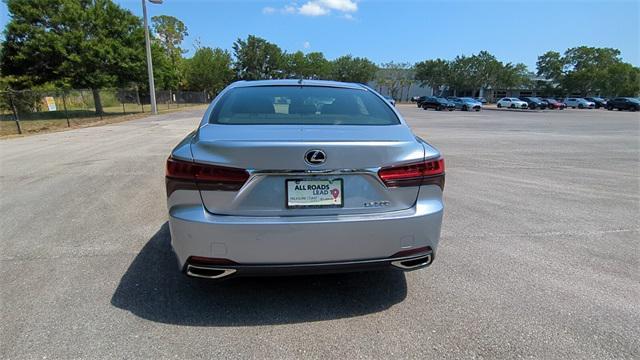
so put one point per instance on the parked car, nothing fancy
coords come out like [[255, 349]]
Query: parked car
[[624, 103], [420, 100], [534, 102], [242, 201], [598, 101], [555, 104], [438, 103], [466, 103], [513, 103], [579, 103], [391, 100], [415, 98], [482, 100]]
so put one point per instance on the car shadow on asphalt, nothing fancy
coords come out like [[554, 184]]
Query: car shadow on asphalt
[[154, 289]]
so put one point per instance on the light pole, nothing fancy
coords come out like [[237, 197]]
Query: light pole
[[152, 86]]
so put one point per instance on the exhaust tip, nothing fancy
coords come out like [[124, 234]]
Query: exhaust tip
[[415, 263], [208, 272]]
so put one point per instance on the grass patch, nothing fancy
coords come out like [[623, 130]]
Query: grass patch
[[50, 121]]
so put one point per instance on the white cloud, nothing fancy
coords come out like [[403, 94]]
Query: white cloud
[[340, 5], [306, 45], [313, 8], [318, 8]]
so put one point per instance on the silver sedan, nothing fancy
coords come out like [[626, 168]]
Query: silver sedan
[[297, 176]]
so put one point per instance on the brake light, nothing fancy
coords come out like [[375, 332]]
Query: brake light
[[186, 175], [428, 172]]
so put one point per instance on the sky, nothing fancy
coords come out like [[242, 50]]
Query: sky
[[408, 31]]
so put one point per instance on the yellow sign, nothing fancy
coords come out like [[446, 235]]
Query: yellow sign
[[51, 103]]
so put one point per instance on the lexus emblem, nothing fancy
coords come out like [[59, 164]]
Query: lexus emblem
[[315, 157]]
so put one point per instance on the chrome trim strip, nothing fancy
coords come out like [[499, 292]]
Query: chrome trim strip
[[225, 272], [398, 263]]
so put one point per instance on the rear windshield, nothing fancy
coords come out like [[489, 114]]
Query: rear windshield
[[301, 105]]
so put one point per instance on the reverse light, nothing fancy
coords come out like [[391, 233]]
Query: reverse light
[[428, 172]]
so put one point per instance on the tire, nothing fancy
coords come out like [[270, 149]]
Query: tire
[[609, 107], [634, 109], [499, 106], [438, 108], [465, 108], [513, 106], [580, 106]]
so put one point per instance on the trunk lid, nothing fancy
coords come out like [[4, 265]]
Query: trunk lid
[[275, 154]]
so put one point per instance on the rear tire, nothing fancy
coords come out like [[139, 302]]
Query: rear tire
[[499, 106], [438, 108], [513, 106], [609, 107], [580, 106]]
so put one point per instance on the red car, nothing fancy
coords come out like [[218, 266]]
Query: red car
[[555, 104]]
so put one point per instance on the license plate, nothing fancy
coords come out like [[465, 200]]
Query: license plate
[[317, 193]]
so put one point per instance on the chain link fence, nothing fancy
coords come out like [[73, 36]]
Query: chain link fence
[[32, 110]]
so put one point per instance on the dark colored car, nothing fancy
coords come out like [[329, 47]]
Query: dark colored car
[[555, 104], [415, 98], [624, 103], [438, 103], [534, 102], [600, 102], [420, 100]]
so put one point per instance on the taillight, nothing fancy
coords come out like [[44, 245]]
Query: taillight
[[428, 172], [189, 175]]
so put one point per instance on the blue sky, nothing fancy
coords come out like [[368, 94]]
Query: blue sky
[[514, 31]]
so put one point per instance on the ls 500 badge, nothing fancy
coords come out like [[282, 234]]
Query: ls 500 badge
[[377, 203]]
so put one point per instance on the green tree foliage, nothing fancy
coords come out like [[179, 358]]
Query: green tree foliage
[[85, 44], [589, 70], [353, 69], [395, 76], [471, 73], [433, 73], [256, 58], [209, 70], [310, 66], [170, 33]]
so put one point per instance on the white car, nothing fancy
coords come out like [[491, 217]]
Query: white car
[[579, 103], [512, 103]]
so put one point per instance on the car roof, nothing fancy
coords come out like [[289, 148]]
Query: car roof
[[298, 82]]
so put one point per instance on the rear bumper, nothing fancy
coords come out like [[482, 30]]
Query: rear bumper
[[306, 243], [209, 271]]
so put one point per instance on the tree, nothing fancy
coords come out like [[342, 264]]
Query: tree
[[433, 73], [484, 69], [256, 58], [209, 70], [170, 33], [512, 75], [587, 70], [350, 69], [393, 75], [90, 44], [319, 66]]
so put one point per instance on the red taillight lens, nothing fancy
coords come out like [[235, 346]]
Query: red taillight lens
[[421, 173], [208, 177]]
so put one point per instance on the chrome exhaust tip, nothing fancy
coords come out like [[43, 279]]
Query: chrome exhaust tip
[[410, 264], [208, 272]]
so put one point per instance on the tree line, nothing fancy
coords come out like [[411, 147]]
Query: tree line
[[97, 44]]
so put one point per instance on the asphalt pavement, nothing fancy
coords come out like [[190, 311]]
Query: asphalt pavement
[[539, 257]]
